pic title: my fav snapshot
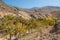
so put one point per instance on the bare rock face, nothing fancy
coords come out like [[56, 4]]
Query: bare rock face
[[56, 14], [56, 29]]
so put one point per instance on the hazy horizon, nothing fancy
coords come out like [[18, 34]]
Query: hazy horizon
[[32, 3]]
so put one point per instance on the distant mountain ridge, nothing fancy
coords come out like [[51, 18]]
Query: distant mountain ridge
[[28, 13]]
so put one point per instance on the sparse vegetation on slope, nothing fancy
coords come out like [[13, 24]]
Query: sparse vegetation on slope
[[13, 25]]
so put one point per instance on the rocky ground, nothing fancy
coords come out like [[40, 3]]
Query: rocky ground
[[50, 33], [45, 35]]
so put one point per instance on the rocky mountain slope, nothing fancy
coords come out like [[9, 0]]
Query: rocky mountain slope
[[50, 33], [28, 13]]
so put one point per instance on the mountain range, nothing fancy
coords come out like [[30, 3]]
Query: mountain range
[[35, 12]]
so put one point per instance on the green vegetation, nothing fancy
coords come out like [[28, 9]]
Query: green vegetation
[[13, 25]]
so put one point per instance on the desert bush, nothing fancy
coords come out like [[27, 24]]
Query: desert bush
[[14, 24]]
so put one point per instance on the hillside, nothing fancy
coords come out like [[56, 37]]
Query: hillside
[[29, 24], [28, 13]]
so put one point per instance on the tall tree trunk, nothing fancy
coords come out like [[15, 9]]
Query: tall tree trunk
[[10, 37]]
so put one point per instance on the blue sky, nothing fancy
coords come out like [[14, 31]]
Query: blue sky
[[32, 3]]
